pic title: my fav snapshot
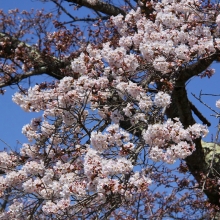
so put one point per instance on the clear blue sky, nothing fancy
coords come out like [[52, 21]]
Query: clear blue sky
[[12, 117]]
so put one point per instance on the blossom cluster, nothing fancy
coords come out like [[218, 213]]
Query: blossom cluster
[[218, 104], [78, 151], [171, 39], [115, 136], [170, 141]]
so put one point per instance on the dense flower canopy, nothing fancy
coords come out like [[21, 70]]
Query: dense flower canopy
[[106, 135]]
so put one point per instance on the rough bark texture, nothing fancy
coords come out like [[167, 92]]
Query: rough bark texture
[[198, 163], [42, 64]]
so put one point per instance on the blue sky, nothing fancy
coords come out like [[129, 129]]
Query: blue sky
[[12, 117], [207, 86]]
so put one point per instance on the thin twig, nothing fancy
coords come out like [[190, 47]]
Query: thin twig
[[204, 104], [6, 144]]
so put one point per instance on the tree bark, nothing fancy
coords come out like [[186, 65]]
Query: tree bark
[[99, 6], [197, 163]]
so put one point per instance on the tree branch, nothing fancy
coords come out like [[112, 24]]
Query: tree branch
[[99, 6], [195, 68], [181, 107], [18, 78], [49, 65], [199, 114]]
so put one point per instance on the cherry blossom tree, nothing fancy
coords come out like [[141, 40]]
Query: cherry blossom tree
[[116, 115]]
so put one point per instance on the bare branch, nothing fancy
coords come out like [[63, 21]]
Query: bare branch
[[195, 69], [86, 19], [199, 114], [199, 99], [18, 78], [99, 6], [50, 65]]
